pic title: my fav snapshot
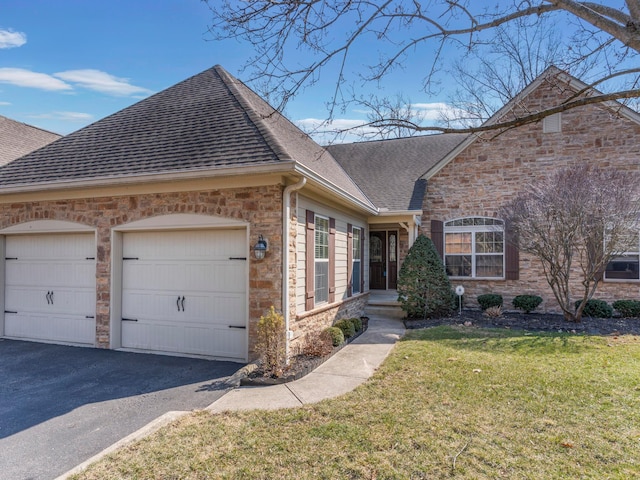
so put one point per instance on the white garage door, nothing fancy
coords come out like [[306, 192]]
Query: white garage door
[[50, 288], [185, 292]]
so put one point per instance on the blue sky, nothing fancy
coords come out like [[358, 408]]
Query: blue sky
[[67, 63]]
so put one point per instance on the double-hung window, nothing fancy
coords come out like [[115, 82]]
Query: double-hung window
[[626, 265], [356, 260], [321, 286], [474, 247]]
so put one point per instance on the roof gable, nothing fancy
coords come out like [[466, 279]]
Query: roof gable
[[551, 74], [18, 139]]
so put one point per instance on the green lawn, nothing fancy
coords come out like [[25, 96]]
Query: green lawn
[[447, 403]]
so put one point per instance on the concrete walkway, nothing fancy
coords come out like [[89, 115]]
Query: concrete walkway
[[343, 372]]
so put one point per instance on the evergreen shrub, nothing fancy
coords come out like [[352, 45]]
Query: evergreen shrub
[[596, 308], [489, 300], [346, 326], [527, 303], [628, 308], [337, 337], [357, 323], [424, 290]]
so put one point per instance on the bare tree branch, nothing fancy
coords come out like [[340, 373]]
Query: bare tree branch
[[323, 34]]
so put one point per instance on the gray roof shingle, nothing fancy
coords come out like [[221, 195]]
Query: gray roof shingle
[[389, 171], [18, 139], [209, 121]]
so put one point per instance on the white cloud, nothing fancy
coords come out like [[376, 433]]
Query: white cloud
[[101, 82], [26, 78], [11, 39], [432, 111], [66, 116], [4, 104], [339, 130]]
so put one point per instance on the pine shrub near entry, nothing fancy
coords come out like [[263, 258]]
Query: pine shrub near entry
[[596, 308], [527, 303], [627, 308], [489, 300], [424, 290]]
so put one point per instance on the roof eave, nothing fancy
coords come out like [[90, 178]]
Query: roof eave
[[367, 207], [159, 177]]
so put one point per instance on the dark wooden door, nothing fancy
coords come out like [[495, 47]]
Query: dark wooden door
[[378, 260]]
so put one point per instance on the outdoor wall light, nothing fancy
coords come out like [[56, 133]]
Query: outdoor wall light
[[260, 248]]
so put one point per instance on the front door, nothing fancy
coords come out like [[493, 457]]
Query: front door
[[383, 260]]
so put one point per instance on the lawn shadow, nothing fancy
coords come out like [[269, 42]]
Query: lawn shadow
[[520, 342]]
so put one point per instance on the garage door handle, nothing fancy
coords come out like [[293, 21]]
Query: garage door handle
[[129, 319], [235, 326], [180, 303], [49, 298]]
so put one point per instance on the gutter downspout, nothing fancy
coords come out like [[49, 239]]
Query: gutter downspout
[[286, 220]]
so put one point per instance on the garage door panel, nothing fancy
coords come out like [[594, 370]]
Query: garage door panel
[[50, 285], [204, 308], [220, 342], [47, 274], [72, 301], [50, 327], [184, 290], [202, 244], [178, 276], [150, 305]]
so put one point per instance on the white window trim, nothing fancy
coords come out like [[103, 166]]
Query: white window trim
[[356, 262], [624, 280], [317, 260], [473, 229]]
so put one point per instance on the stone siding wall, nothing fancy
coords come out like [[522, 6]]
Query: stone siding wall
[[495, 167], [260, 206], [307, 327]]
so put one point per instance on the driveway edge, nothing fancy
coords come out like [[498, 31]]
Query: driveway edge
[[143, 432]]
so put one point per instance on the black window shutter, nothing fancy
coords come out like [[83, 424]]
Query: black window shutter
[[437, 236]]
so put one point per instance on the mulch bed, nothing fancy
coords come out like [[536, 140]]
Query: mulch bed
[[302, 365], [535, 322], [299, 365]]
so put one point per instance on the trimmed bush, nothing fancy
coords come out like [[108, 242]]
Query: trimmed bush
[[596, 308], [357, 323], [627, 308], [320, 346], [270, 342], [489, 300], [527, 303], [346, 326], [424, 290], [337, 337]]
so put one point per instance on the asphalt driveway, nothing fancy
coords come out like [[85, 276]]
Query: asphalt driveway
[[61, 405]]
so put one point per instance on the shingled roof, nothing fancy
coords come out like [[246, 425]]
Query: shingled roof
[[18, 139], [389, 171], [208, 122]]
